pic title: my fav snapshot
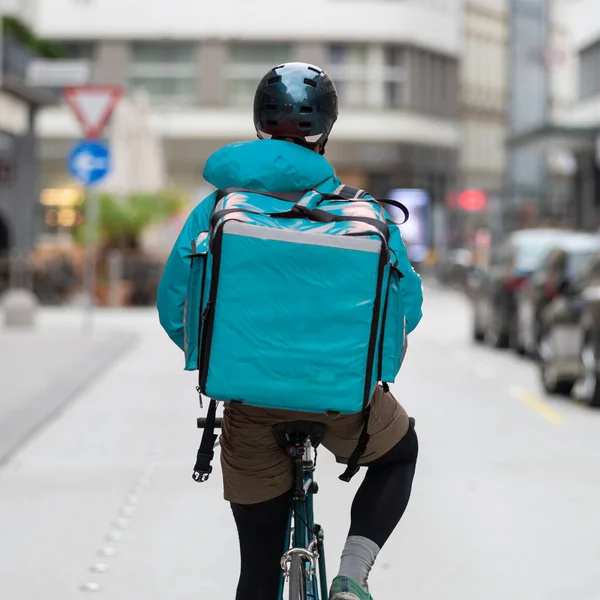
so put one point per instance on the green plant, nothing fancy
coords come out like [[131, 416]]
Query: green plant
[[11, 26], [121, 221]]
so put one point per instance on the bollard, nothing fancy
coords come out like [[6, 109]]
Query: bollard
[[20, 307]]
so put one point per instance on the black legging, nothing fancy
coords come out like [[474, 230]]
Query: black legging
[[377, 508]]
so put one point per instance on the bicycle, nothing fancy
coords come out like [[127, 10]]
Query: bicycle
[[303, 560]]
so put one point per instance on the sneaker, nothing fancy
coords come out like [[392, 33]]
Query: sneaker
[[344, 588]]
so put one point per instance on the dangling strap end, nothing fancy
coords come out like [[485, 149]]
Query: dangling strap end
[[203, 468], [353, 467]]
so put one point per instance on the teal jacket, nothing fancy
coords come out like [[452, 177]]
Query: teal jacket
[[264, 165]]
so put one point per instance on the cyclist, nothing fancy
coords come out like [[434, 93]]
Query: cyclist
[[293, 124]]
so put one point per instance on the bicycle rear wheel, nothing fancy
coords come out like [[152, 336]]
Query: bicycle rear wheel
[[297, 582]]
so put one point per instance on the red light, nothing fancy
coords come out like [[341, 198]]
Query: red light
[[472, 200]]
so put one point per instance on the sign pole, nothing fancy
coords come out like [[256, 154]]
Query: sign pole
[[90, 162], [91, 234]]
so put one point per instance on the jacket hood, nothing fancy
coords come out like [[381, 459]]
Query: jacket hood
[[267, 165]]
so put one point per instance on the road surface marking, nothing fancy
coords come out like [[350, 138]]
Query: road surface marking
[[541, 407]]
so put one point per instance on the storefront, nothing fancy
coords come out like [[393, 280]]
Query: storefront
[[18, 148]]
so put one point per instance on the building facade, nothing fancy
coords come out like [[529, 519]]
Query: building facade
[[565, 133], [583, 120], [396, 66], [19, 104], [516, 76], [484, 70]]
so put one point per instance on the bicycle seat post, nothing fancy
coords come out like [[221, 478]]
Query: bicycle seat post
[[300, 439], [296, 451]]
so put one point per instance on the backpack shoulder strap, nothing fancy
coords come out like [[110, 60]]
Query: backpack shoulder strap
[[353, 193], [347, 191]]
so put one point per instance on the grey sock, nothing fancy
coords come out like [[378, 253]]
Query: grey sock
[[358, 557]]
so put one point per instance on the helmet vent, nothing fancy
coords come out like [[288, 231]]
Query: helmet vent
[[305, 125], [308, 81], [306, 110], [315, 70], [271, 107], [273, 80]]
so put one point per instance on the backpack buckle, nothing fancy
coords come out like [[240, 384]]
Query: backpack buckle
[[202, 468], [202, 475]]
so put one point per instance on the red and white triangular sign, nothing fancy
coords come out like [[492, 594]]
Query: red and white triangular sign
[[93, 105]]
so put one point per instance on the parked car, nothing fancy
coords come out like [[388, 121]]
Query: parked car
[[453, 267], [570, 258], [570, 337], [493, 290]]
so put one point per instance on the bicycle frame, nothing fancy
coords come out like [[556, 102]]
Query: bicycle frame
[[303, 536]]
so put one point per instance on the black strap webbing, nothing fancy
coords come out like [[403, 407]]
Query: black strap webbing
[[353, 467], [206, 452], [352, 193], [324, 216], [347, 192], [318, 215], [397, 205]]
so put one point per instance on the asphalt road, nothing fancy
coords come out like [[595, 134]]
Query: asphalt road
[[506, 501]]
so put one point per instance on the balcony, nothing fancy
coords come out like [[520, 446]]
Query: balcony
[[15, 61]]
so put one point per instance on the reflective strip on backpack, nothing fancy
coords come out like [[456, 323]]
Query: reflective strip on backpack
[[303, 237]]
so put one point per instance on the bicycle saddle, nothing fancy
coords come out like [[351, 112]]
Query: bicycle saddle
[[298, 432]]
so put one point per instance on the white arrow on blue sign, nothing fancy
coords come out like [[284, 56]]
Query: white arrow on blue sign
[[89, 161]]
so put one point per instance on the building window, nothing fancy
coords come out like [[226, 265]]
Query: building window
[[166, 70], [248, 63], [395, 77], [590, 71], [347, 65], [79, 50]]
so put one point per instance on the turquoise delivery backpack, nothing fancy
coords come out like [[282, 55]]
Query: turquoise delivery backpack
[[294, 303]]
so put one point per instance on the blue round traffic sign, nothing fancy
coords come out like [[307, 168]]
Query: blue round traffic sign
[[89, 161]]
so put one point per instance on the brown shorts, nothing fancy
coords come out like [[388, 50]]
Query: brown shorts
[[256, 468]]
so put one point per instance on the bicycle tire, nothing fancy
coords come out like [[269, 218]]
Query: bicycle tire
[[297, 581]]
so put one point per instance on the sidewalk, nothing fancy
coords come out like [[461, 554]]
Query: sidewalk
[[103, 499], [43, 368]]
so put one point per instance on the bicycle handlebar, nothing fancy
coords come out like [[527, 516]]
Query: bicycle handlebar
[[201, 422]]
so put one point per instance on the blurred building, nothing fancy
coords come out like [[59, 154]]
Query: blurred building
[[19, 192], [544, 137], [517, 74], [484, 69], [578, 131], [396, 65]]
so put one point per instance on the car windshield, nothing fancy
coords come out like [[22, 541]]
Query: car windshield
[[532, 250], [531, 253]]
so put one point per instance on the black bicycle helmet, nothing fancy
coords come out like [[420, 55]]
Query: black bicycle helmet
[[298, 101]]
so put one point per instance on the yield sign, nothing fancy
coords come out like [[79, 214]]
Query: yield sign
[[93, 105]]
